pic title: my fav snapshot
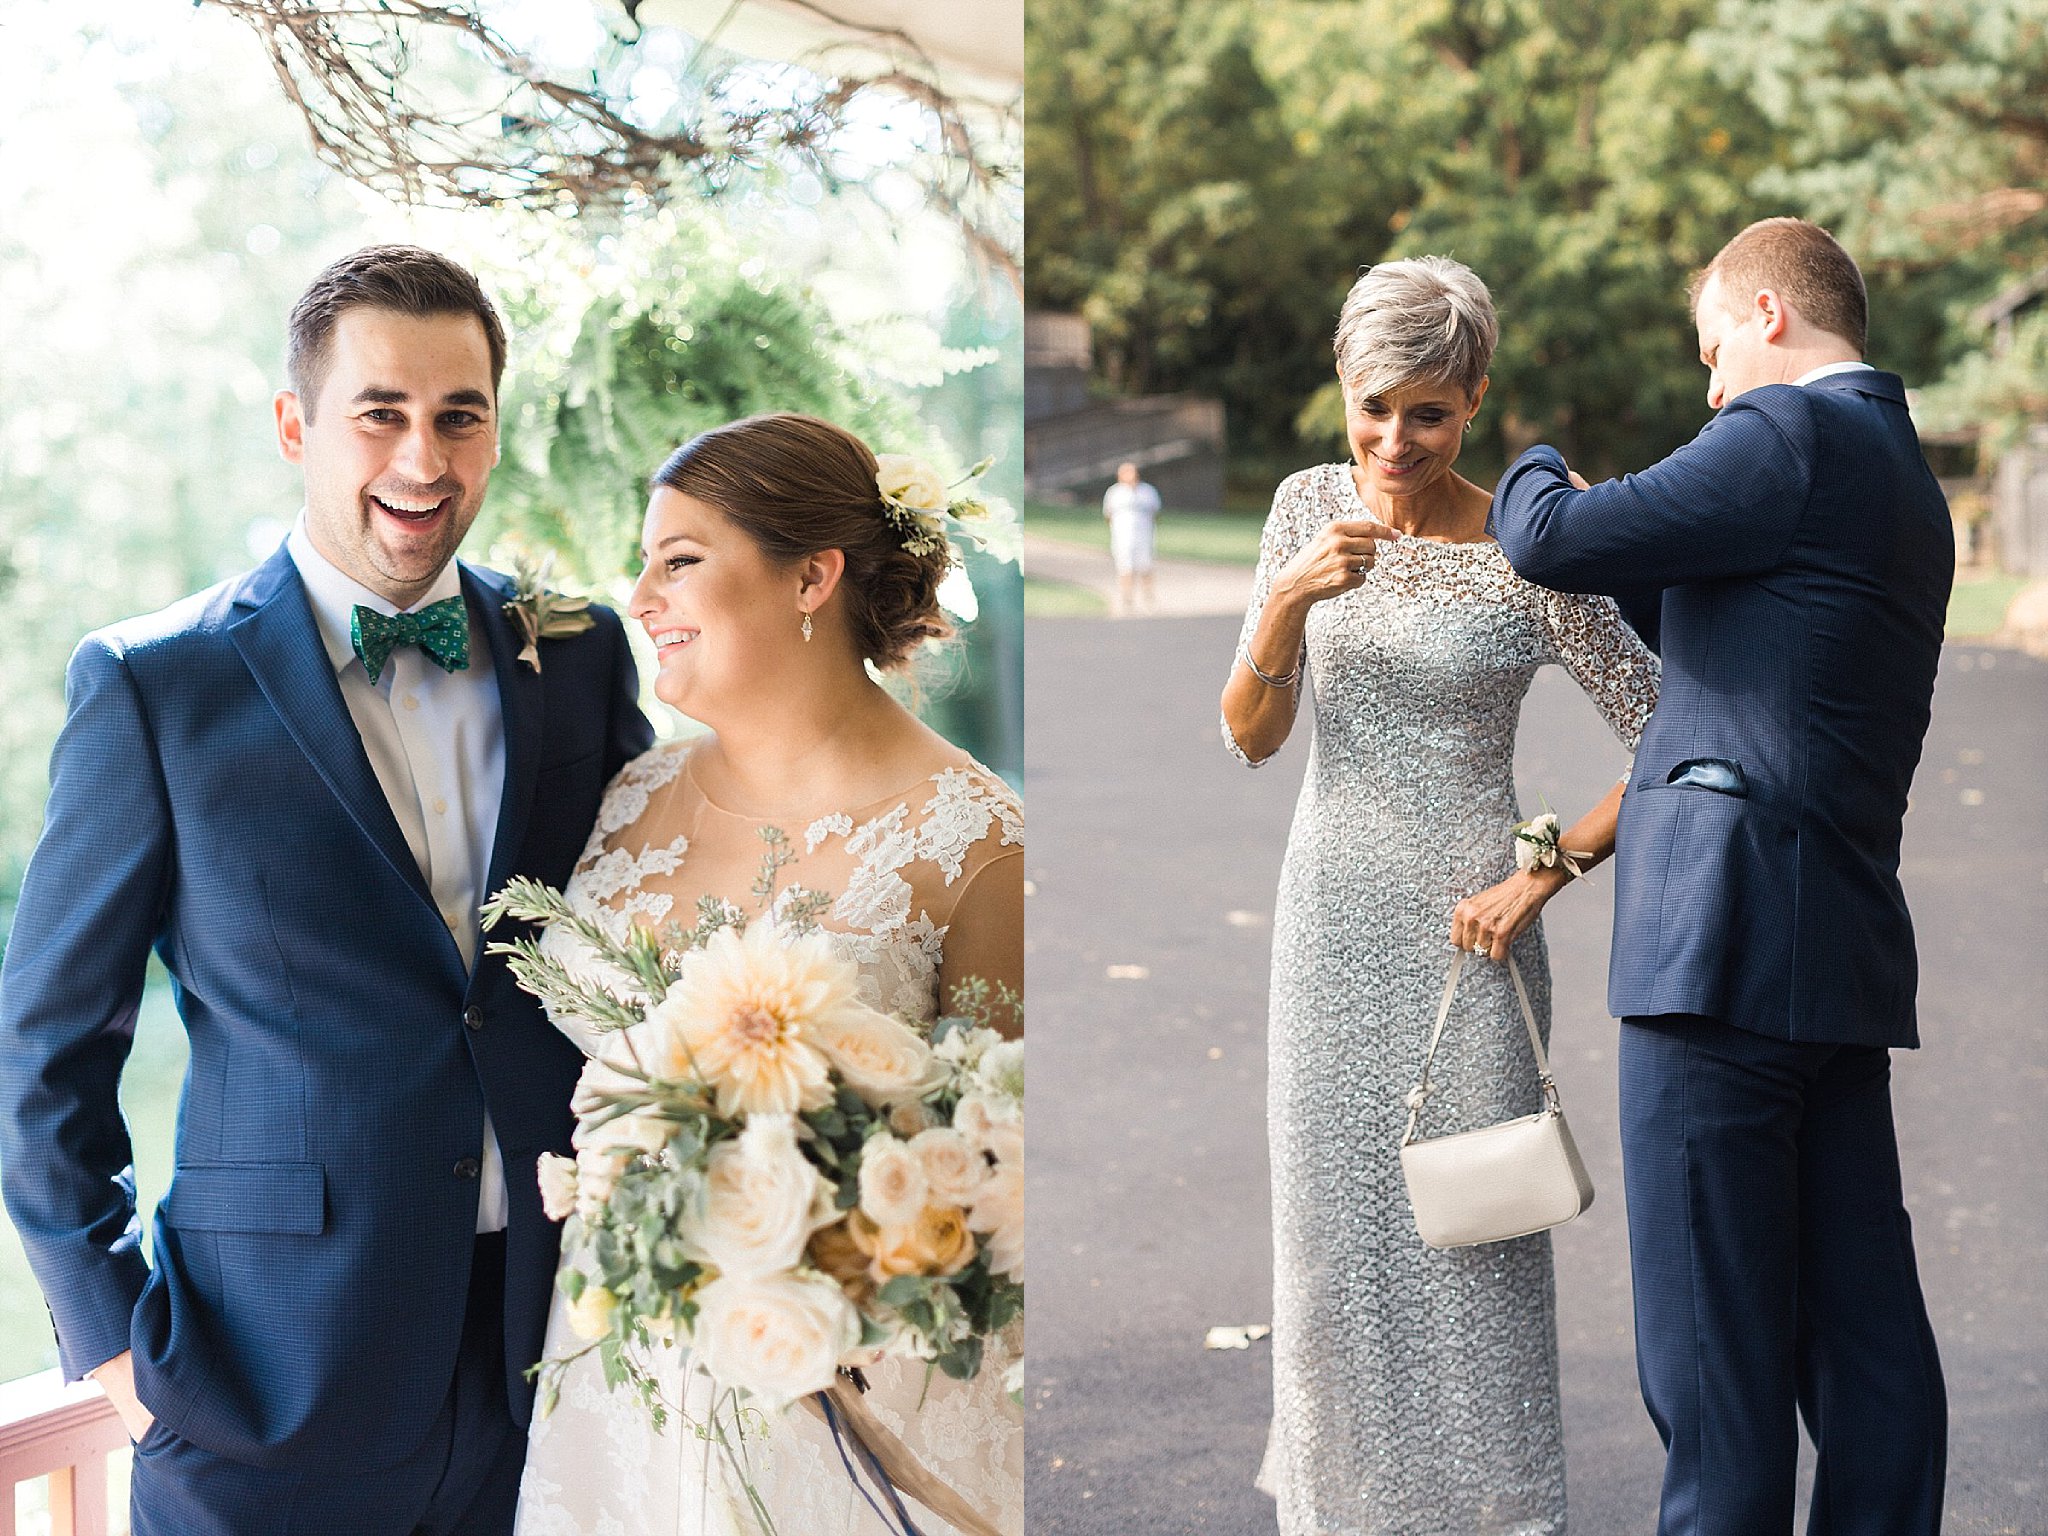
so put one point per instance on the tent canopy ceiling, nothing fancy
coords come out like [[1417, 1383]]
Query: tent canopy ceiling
[[976, 45]]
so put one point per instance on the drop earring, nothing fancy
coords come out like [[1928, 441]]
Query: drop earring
[[807, 629]]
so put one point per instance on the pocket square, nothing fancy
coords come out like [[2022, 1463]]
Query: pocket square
[[1715, 773]]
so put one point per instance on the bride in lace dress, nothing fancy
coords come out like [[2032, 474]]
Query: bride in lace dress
[[1415, 1391], [772, 576]]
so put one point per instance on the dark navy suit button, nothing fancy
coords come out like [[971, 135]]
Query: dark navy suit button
[[468, 1168], [473, 1016]]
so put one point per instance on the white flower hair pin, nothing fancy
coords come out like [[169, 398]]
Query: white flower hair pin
[[922, 507]]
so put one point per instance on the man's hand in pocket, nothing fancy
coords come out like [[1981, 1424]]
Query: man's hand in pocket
[[117, 1380]]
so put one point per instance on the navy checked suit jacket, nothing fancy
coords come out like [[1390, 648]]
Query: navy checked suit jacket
[[1806, 556], [210, 798]]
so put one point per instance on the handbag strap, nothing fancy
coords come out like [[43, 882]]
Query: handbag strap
[[1419, 1094]]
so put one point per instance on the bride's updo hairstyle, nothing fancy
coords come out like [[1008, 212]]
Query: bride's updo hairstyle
[[797, 485], [1426, 320]]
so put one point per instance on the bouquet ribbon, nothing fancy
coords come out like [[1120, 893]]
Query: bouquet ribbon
[[844, 1412]]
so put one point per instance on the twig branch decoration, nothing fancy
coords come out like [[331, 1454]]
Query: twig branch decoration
[[502, 130]]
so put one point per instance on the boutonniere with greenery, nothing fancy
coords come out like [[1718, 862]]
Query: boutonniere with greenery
[[541, 612]]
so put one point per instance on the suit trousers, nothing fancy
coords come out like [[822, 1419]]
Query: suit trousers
[[463, 1480], [1772, 1261]]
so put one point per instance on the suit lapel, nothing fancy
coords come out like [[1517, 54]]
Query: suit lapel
[[522, 705], [281, 644]]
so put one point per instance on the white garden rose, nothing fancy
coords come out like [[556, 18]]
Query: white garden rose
[[882, 1059], [998, 1214], [954, 1168], [600, 1080], [893, 1188], [759, 1203], [994, 1125], [557, 1186], [964, 1047], [597, 1171], [1000, 1071], [780, 1336], [639, 1130], [1536, 842], [1005, 1143], [910, 482]]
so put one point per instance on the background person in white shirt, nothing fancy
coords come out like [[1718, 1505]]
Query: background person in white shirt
[[1131, 508]]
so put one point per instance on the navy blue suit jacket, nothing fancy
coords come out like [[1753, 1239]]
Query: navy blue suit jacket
[[1806, 556], [210, 797]]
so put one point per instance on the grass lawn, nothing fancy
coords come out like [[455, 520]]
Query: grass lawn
[[1976, 609], [1978, 604], [1060, 600], [1217, 538], [149, 1098]]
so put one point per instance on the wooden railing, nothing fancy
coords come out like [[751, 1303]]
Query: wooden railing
[[65, 1433]]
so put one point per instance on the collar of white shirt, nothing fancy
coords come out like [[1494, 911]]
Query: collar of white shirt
[[1827, 369], [334, 594]]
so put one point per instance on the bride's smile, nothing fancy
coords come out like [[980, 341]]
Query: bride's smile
[[709, 590]]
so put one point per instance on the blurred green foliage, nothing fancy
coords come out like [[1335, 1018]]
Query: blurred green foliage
[[1204, 185]]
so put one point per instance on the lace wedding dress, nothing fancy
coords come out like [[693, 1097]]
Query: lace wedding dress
[[901, 871], [1415, 1392]]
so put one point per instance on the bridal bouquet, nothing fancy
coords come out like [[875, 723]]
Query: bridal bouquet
[[768, 1171]]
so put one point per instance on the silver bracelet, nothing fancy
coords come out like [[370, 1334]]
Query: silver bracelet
[[1271, 680]]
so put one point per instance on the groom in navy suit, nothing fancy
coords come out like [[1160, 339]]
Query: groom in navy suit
[[297, 788], [1763, 962]]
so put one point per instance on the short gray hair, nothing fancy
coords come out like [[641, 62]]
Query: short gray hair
[[1425, 320]]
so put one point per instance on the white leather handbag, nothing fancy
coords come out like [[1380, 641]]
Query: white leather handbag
[[1500, 1181]]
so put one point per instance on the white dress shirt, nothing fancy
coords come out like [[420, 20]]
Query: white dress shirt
[[437, 743], [1825, 369]]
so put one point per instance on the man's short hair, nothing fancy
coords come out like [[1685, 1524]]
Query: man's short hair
[[404, 278], [1802, 262]]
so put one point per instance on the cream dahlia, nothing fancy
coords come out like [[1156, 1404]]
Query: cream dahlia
[[746, 1016]]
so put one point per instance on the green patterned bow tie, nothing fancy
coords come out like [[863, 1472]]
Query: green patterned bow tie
[[440, 629]]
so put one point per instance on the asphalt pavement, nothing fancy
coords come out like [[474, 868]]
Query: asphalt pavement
[[1153, 860]]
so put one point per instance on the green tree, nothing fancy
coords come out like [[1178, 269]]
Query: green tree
[[1205, 189], [1917, 131]]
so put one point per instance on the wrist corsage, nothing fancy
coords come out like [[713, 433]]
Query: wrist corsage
[[1537, 846]]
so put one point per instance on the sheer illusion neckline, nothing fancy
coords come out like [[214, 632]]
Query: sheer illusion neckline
[[1358, 501], [805, 818]]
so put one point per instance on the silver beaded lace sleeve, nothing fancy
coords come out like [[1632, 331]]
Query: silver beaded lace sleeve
[[1290, 524], [1606, 658], [1415, 1391]]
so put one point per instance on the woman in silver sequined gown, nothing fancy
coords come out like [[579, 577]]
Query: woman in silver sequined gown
[[1415, 1390]]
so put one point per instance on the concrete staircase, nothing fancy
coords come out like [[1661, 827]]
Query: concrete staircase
[[1073, 442]]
